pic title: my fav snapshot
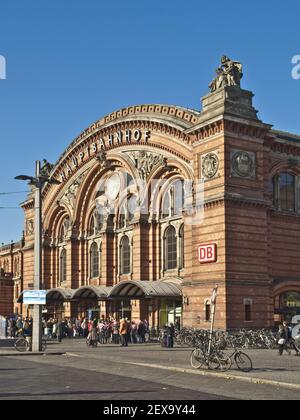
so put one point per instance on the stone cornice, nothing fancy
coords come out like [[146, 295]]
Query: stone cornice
[[238, 199], [229, 125], [278, 145], [28, 204]]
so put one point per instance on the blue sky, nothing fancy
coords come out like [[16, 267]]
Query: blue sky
[[71, 62]]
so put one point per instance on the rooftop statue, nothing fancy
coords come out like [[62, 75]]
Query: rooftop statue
[[46, 168], [229, 73]]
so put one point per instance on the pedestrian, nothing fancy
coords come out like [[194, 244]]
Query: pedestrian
[[282, 340], [290, 340], [170, 336], [94, 331], [115, 332], [59, 330], [297, 339], [124, 332], [133, 333]]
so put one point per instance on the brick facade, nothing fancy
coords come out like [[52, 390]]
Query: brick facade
[[237, 155]]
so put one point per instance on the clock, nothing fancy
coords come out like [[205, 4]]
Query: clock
[[113, 186]]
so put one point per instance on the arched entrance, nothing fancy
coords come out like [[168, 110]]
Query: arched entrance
[[287, 303], [57, 301], [87, 301]]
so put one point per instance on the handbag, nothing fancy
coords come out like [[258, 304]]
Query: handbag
[[281, 341]]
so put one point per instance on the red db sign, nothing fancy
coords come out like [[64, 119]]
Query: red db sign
[[207, 253]]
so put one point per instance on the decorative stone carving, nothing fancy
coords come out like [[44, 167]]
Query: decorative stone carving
[[46, 169], [210, 165], [145, 162], [71, 194], [243, 164], [102, 159], [229, 74], [29, 227]]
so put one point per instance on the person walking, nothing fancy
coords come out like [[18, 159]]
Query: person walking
[[170, 336], [59, 330], [282, 340], [115, 332], [290, 340], [124, 332]]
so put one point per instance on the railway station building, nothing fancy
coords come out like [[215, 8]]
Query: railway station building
[[157, 204]]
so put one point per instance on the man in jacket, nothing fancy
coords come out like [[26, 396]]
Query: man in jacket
[[124, 332]]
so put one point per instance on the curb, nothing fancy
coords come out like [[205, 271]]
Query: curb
[[259, 381], [28, 354]]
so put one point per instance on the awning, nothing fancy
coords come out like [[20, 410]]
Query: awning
[[59, 295], [126, 289], [92, 292], [54, 295], [146, 289]]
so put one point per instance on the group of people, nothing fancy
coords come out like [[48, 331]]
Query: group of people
[[18, 326], [103, 330], [167, 336], [286, 341]]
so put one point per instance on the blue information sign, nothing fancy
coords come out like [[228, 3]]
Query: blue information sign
[[34, 297]]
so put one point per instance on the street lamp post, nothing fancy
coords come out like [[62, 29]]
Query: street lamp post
[[38, 182]]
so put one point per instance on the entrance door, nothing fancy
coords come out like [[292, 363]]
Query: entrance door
[[289, 305], [124, 309], [170, 312]]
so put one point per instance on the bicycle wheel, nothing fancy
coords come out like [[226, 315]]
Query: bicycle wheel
[[214, 362], [243, 362], [197, 359], [21, 345], [225, 361]]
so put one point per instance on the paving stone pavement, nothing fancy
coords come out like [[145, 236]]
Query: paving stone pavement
[[274, 377]]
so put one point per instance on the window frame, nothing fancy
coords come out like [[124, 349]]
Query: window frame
[[94, 261], [278, 199], [168, 251], [63, 266], [125, 267]]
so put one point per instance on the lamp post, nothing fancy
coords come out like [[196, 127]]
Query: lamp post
[[38, 182]]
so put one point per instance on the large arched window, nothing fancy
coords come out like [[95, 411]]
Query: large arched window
[[64, 230], [94, 261], [96, 221], [127, 212], [92, 226], [170, 249], [285, 192], [63, 266], [125, 256], [173, 200]]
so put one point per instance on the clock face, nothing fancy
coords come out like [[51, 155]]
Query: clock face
[[113, 186]]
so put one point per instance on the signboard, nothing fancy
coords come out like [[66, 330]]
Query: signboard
[[207, 253], [34, 297]]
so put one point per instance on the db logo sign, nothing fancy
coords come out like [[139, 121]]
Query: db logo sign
[[207, 253]]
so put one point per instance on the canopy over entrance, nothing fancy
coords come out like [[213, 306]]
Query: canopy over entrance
[[59, 295], [54, 295], [92, 292], [146, 289]]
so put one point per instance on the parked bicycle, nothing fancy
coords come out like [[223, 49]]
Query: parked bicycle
[[218, 359], [23, 344], [241, 359]]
